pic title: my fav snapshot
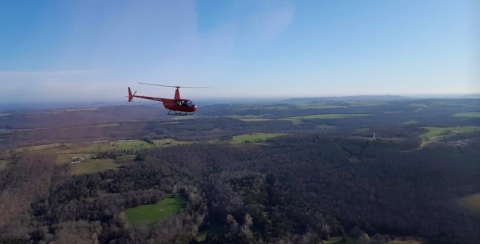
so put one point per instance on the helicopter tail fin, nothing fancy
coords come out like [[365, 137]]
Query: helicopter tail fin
[[130, 96]]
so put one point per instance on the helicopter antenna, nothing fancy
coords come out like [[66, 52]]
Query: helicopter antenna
[[171, 86]]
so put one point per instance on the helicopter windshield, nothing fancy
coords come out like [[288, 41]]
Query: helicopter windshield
[[185, 103], [190, 104]]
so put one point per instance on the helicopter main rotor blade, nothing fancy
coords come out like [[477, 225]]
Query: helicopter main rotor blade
[[171, 86], [192, 87], [157, 85]]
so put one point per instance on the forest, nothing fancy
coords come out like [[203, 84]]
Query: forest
[[250, 173]]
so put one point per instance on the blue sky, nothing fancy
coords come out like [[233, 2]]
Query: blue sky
[[56, 51]]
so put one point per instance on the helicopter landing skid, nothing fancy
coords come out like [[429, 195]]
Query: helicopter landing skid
[[179, 113]]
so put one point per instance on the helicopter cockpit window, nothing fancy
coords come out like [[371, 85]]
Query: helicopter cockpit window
[[190, 104]]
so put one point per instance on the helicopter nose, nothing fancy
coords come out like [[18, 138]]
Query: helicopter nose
[[195, 108]]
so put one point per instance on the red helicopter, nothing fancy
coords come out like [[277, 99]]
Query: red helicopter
[[175, 106]]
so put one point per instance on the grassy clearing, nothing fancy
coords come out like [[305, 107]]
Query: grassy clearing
[[255, 138], [111, 146], [329, 116], [256, 120], [186, 117], [214, 228], [468, 115], [154, 212], [293, 120], [81, 109], [410, 122], [418, 105], [324, 127], [170, 142], [108, 125], [93, 166], [275, 107], [471, 203], [364, 103], [4, 164], [317, 106], [37, 148], [445, 131], [393, 112], [362, 129]]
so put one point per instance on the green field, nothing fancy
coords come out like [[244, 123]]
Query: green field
[[91, 166], [362, 129], [152, 213], [213, 229], [317, 106], [418, 105], [410, 122], [186, 117], [471, 203], [443, 131], [3, 131], [256, 120], [329, 116], [4, 164], [81, 109], [108, 125], [324, 127], [37, 148], [393, 112], [111, 146], [363, 103], [255, 138], [170, 142], [468, 115]]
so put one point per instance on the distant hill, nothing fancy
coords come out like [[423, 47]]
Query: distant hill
[[348, 98], [471, 96]]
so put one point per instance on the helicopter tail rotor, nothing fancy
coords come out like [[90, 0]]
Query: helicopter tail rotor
[[130, 95]]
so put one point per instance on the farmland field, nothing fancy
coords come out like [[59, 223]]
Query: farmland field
[[108, 125], [410, 122], [152, 213], [255, 138], [441, 131], [256, 120], [170, 142], [471, 203], [93, 166], [4, 164], [329, 116], [468, 115]]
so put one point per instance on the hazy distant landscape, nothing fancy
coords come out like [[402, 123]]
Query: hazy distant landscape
[[358, 170], [237, 121]]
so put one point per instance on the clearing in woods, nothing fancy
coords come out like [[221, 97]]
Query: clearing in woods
[[255, 138], [329, 116], [4, 164], [91, 166], [445, 131], [471, 203], [160, 210], [468, 115]]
